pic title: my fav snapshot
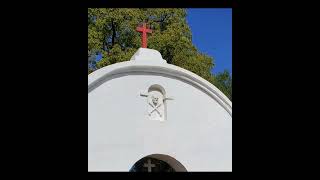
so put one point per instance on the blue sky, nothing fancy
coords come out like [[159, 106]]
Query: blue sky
[[212, 34]]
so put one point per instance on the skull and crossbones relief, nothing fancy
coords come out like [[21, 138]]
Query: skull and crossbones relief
[[156, 104]]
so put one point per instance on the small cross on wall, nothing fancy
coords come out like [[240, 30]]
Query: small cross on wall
[[149, 165], [144, 30]]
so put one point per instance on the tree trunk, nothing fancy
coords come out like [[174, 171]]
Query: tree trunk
[[113, 32]]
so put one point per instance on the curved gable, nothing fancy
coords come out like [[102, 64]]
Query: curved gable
[[148, 108], [107, 73]]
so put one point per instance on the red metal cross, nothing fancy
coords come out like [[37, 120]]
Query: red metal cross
[[144, 32]]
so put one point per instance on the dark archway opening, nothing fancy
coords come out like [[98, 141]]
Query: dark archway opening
[[148, 164], [158, 163]]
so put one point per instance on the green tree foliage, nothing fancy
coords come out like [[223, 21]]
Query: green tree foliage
[[112, 32], [223, 81]]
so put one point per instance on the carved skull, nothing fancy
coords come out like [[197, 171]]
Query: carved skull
[[155, 100]]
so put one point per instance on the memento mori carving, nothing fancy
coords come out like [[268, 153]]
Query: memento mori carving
[[156, 108], [156, 99], [155, 105]]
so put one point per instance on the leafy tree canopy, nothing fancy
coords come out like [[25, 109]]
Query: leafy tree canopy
[[223, 81], [111, 33]]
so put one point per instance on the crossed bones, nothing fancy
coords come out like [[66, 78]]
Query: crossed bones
[[155, 108]]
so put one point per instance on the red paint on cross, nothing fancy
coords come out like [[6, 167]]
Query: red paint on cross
[[144, 32]]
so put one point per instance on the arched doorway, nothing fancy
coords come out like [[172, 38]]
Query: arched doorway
[[158, 163]]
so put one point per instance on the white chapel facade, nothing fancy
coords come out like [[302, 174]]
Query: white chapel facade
[[148, 115]]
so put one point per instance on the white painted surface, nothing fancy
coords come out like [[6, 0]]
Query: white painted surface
[[198, 127], [145, 54]]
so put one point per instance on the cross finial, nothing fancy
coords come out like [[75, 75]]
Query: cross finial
[[144, 30]]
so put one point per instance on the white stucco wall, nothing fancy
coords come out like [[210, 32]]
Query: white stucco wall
[[197, 132]]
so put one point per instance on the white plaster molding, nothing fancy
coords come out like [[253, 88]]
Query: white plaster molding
[[140, 64], [145, 54]]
